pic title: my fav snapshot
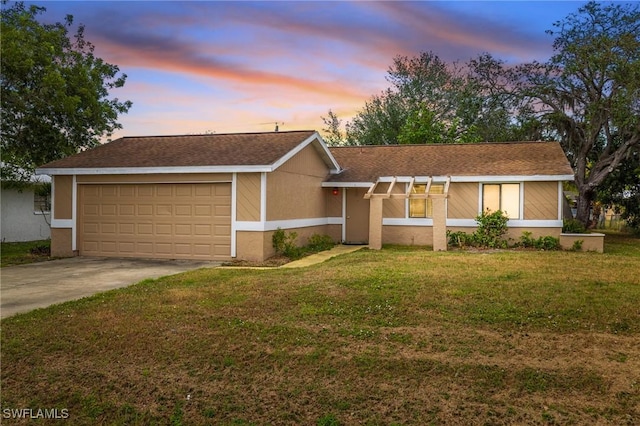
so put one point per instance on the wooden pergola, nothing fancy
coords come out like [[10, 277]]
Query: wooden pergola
[[376, 200]]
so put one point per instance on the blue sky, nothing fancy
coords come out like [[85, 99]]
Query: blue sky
[[199, 66]]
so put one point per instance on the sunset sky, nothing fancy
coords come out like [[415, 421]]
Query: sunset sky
[[196, 67]]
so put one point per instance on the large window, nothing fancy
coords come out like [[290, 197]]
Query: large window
[[502, 196], [421, 207]]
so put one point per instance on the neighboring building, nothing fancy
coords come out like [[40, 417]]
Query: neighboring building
[[221, 196], [25, 214]]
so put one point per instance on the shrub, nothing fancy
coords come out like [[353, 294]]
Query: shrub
[[285, 243], [460, 239], [319, 242], [573, 226], [492, 226], [548, 243], [490, 233], [543, 243]]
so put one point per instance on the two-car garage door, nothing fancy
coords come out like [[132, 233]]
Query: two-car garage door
[[176, 221]]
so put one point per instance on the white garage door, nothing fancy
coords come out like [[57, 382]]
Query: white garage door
[[174, 221]]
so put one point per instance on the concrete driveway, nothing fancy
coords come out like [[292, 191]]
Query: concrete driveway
[[37, 285]]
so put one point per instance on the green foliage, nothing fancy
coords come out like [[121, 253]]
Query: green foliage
[[492, 226], [573, 226], [332, 132], [54, 92], [587, 93], [585, 96], [621, 190], [431, 101], [460, 239], [284, 243], [577, 245], [422, 126], [542, 243], [24, 252], [328, 420], [318, 242]]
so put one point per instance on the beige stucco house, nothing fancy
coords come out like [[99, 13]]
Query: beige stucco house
[[221, 196]]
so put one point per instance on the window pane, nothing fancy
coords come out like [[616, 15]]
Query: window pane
[[417, 208], [511, 200], [491, 197]]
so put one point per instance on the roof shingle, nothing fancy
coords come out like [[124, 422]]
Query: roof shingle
[[238, 149], [367, 163]]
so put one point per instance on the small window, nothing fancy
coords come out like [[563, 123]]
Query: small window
[[420, 207], [41, 203], [503, 196]]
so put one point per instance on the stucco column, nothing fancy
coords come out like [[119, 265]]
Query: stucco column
[[375, 223], [439, 222]]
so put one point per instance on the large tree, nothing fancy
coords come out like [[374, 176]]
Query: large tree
[[54, 92], [589, 92], [431, 101]]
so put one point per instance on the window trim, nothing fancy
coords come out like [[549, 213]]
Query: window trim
[[520, 197]]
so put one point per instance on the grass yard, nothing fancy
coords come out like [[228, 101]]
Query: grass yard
[[399, 336], [27, 252]]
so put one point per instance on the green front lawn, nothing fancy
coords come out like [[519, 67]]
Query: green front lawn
[[21, 253], [397, 336]]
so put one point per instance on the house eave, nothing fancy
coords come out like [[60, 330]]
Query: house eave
[[322, 149], [479, 178], [154, 170]]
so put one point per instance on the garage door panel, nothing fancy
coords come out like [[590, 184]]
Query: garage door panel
[[126, 228], [163, 228], [183, 249], [163, 210], [127, 247], [126, 191], [156, 220], [144, 248], [144, 191], [108, 228], [108, 247], [91, 210], [183, 229], [109, 191], [183, 210], [145, 229], [184, 190], [127, 210], [202, 229]]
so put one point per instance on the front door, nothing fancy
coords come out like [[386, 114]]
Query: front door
[[357, 220]]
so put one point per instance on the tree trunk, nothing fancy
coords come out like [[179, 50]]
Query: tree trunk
[[584, 206]]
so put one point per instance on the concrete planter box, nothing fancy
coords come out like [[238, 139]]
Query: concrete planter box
[[590, 242]]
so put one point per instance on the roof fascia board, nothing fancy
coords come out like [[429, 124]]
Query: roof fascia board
[[153, 170], [333, 164], [347, 184], [479, 178]]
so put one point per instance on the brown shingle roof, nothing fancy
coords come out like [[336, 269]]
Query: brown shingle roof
[[367, 163], [243, 149]]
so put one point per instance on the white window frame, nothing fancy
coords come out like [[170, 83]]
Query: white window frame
[[520, 197]]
